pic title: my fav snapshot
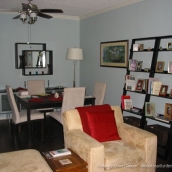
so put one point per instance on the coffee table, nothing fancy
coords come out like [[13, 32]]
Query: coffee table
[[77, 163]]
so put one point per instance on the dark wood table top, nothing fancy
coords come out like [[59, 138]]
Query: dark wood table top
[[77, 165]]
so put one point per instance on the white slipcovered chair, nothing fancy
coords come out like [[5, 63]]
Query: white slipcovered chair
[[135, 152], [99, 92], [38, 87], [73, 97], [20, 117]]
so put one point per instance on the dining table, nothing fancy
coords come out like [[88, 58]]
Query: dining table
[[30, 102]]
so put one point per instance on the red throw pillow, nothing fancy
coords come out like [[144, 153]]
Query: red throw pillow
[[82, 114], [102, 125]]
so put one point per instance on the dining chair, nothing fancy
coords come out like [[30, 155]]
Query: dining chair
[[20, 117], [38, 87], [99, 92], [73, 97]]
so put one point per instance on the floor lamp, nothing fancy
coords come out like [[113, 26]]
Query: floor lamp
[[74, 54]]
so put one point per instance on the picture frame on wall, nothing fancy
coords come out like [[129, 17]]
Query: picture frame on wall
[[160, 66], [114, 54]]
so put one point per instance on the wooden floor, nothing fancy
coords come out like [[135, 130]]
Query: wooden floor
[[7, 142]]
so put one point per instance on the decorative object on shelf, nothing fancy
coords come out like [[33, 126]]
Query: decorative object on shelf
[[150, 81], [139, 65], [21, 61], [139, 85], [130, 83], [74, 54], [149, 108], [169, 46], [149, 49], [170, 95], [155, 87], [132, 64], [160, 66], [56, 95], [123, 97], [48, 66], [160, 48], [138, 47], [146, 69], [168, 111], [128, 104], [169, 67], [114, 54], [163, 90]]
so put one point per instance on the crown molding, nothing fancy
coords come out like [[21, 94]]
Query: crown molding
[[110, 9]]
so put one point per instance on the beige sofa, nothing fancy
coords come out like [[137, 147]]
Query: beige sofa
[[29, 160], [136, 152]]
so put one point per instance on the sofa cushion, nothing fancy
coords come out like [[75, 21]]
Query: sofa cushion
[[119, 154], [83, 117], [23, 160], [102, 125]]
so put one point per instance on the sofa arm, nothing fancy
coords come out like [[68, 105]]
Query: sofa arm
[[141, 139], [86, 147]]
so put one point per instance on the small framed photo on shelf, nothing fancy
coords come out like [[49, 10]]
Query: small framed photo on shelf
[[169, 45], [139, 65], [169, 67], [128, 104], [132, 64], [138, 47], [163, 90], [168, 111], [139, 85], [149, 109], [170, 95], [160, 66]]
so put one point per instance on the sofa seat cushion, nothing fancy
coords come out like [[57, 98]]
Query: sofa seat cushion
[[25, 160], [118, 154]]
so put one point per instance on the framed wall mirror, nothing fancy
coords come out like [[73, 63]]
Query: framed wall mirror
[[34, 58]]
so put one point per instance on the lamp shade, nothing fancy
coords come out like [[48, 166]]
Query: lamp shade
[[74, 54]]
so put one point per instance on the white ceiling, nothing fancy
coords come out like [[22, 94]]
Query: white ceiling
[[78, 9]]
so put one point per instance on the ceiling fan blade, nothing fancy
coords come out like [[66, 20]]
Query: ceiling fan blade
[[51, 10], [44, 15], [10, 10], [17, 17]]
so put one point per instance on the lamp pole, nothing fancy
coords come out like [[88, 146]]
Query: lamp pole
[[74, 62]]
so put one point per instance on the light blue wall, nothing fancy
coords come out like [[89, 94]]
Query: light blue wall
[[144, 19], [58, 34]]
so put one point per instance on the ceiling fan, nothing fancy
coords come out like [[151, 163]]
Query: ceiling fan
[[31, 11]]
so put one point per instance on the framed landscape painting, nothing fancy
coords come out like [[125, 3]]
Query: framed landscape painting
[[114, 54]]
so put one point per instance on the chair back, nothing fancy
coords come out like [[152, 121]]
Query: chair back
[[73, 97], [99, 92], [36, 86], [13, 105]]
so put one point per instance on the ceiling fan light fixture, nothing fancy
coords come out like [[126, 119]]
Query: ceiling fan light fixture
[[33, 17], [23, 17]]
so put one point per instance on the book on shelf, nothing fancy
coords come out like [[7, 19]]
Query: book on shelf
[[155, 87], [162, 118], [123, 97], [150, 83], [60, 152], [128, 104], [149, 109]]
